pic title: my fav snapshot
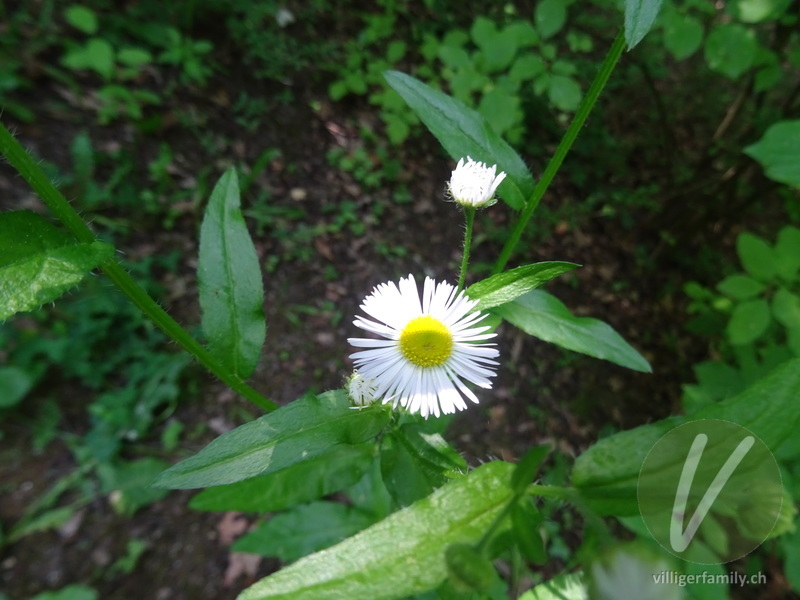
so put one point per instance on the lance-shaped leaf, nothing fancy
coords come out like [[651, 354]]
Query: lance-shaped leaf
[[544, 316], [39, 262], [510, 285], [639, 18], [464, 132], [413, 463], [402, 555], [302, 482], [298, 431], [607, 473], [230, 284]]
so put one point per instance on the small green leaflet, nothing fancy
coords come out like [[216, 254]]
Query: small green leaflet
[[545, 317], [778, 152], [39, 262], [229, 279], [464, 132], [402, 555], [306, 428], [509, 285], [639, 18]]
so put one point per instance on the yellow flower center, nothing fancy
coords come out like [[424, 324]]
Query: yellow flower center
[[426, 342]]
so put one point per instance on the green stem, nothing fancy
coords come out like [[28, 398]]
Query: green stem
[[30, 171], [469, 213], [587, 104]]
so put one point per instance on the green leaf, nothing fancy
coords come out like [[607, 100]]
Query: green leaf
[[525, 521], [497, 48], [527, 467], [38, 262], [299, 483], [550, 16], [229, 278], [97, 54], [749, 321], [740, 287], [509, 285], [468, 569], [298, 431], [778, 152], [564, 92], [81, 18], [607, 473], [683, 34], [303, 530], [402, 555], [413, 464], [757, 11], [462, 132], [15, 383], [639, 18], [757, 256], [787, 253], [544, 316], [70, 592], [786, 308], [730, 49]]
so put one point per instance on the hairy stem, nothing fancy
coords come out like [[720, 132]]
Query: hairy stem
[[30, 171], [469, 214]]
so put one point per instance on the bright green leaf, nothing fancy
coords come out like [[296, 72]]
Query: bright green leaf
[[748, 322], [469, 569], [778, 152], [134, 57], [527, 467], [740, 287], [786, 308], [303, 530], [683, 34], [462, 132], [787, 253], [757, 256], [564, 92], [607, 473], [97, 54], [639, 18], [757, 11], [70, 592], [500, 109], [298, 431], [550, 16], [308, 480], [81, 18], [730, 49], [525, 522], [229, 278], [544, 316], [38, 262], [402, 555]]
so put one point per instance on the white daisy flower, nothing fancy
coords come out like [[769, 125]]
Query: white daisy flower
[[429, 346], [360, 389], [473, 183]]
